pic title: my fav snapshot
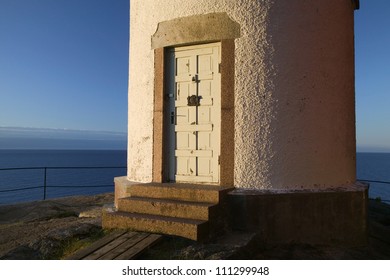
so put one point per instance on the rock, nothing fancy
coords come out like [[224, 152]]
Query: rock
[[42, 229], [46, 248], [51, 245], [22, 253], [49, 209], [95, 212], [207, 252], [78, 231]]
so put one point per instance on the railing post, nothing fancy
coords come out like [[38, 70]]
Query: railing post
[[44, 185]]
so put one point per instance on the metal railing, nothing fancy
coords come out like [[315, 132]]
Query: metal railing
[[45, 186], [376, 181]]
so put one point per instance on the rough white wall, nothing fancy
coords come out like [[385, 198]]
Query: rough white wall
[[313, 137], [294, 89]]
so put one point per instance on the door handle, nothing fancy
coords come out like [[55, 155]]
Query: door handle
[[172, 117]]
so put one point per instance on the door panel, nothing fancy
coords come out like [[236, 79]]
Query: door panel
[[195, 126]]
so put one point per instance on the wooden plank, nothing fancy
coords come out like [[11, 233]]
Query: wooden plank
[[139, 247], [110, 246], [128, 244], [206, 75], [193, 127], [194, 153], [82, 253], [182, 78], [206, 101], [188, 51]]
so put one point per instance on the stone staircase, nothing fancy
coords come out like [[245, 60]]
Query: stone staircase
[[188, 210]]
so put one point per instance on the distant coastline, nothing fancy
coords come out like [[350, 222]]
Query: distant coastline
[[19, 138], [373, 149], [60, 144]]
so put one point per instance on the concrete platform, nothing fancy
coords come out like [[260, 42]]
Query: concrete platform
[[332, 216]]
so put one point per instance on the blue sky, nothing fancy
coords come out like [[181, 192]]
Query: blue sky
[[372, 52], [64, 64]]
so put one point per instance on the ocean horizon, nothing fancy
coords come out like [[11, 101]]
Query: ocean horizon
[[25, 138]]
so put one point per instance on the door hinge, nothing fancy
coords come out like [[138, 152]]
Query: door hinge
[[219, 160], [219, 67]]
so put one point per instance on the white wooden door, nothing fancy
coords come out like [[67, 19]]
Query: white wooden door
[[194, 91]]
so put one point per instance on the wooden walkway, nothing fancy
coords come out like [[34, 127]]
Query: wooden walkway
[[118, 245]]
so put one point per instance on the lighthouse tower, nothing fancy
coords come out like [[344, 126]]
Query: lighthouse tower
[[252, 99]]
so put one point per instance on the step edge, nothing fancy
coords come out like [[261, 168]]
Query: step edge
[[174, 210], [194, 229], [211, 188], [158, 217], [169, 201]]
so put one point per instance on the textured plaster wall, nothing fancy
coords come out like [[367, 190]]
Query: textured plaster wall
[[313, 126], [294, 89]]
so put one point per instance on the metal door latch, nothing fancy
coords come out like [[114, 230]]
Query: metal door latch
[[193, 100], [195, 78]]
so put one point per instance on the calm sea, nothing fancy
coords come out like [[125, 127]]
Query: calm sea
[[376, 167], [56, 179], [370, 166]]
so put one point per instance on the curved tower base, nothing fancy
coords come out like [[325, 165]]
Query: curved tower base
[[329, 217]]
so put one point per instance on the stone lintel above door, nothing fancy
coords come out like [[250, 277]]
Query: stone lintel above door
[[195, 29]]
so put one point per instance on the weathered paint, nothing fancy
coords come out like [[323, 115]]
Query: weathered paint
[[294, 89]]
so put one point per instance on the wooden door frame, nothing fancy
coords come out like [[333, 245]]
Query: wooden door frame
[[227, 115]]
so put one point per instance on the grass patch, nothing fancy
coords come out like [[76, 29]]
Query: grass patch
[[6, 226], [74, 244]]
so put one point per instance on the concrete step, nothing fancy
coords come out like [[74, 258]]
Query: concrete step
[[187, 228], [182, 192], [168, 207]]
